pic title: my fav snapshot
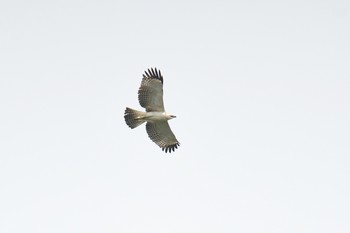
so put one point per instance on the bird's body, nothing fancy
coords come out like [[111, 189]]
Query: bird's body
[[157, 116], [151, 97]]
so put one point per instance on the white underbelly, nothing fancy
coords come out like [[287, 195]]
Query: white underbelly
[[155, 116]]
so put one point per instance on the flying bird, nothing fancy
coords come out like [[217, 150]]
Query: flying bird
[[150, 96]]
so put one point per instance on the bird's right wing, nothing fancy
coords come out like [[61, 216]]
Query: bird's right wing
[[160, 133], [151, 91]]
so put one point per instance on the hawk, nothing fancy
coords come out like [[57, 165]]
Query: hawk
[[150, 96]]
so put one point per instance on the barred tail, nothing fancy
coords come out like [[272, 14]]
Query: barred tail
[[133, 118]]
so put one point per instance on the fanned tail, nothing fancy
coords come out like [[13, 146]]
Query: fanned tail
[[133, 118]]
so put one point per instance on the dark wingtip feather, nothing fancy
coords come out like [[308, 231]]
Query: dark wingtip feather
[[153, 73], [170, 148]]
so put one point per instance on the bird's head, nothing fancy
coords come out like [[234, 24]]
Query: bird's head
[[169, 116]]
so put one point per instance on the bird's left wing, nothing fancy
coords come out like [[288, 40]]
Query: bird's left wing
[[160, 133], [151, 91]]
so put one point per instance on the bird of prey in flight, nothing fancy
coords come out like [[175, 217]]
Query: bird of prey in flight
[[151, 98]]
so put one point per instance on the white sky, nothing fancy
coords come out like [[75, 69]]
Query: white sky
[[261, 90]]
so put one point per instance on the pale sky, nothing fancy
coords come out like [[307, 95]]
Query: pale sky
[[261, 91]]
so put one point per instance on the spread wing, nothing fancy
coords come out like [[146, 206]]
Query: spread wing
[[160, 133], [151, 91]]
